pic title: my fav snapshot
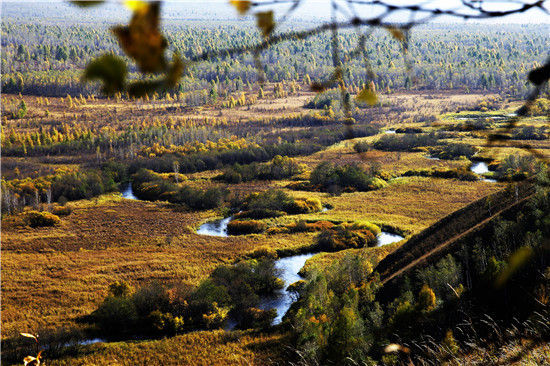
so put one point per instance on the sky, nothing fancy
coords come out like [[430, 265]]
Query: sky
[[309, 10]]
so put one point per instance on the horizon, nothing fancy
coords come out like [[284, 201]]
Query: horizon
[[222, 10]]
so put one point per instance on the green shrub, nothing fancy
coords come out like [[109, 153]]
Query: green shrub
[[257, 318], [41, 219], [361, 147], [165, 323], [349, 177], [116, 315], [452, 151], [405, 142], [278, 168]]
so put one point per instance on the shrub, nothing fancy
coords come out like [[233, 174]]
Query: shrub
[[461, 174], [273, 201], [165, 323], [452, 151], [243, 227], [258, 213], [361, 147], [116, 315], [62, 210], [41, 219], [304, 205], [330, 176], [408, 130], [517, 167], [426, 299], [264, 252], [530, 133], [120, 288], [278, 168], [406, 142], [151, 186], [257, 318], [302, 226], [344, 237]]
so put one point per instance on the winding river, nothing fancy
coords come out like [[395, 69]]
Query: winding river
[[289, 267]]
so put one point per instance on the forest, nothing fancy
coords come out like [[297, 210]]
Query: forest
[[253, 212]]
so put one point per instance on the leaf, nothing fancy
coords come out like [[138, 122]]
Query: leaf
[[110, 69], [515, 262], [242, 6], [86, 4], [394, 347], [141, 88], [28, 335], [31, 361], [142, 40], [174, 73], [264, 21], [368, 96], [396, 33], [540, 75], [135, 5]]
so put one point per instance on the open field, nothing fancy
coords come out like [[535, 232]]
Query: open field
[[52, 276]]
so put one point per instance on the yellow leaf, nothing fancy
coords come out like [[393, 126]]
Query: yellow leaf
[[368, 96], [265, 22], [397, 33], [142, 40], [515, 262], [242, 6], [28, 335], [135, 5]]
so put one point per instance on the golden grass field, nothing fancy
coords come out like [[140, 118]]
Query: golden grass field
[[51, 276]]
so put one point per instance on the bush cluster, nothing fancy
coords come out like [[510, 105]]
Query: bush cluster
[[230, 291], [150, 186], [335, 178], [244, 227], [460, 174], [346, 236], [452, 151], [279, 167], [406, 142], [41, 219], [274, 201], [61, 210]]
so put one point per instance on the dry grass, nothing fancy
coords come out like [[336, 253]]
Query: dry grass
[[53, 275], [196, 348]]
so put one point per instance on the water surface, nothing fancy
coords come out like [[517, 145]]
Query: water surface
[[283, 299], [289, 268], [215, 228], [128, 193]]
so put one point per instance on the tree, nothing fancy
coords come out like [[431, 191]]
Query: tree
[[426, 299]]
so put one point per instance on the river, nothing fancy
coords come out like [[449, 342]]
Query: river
[[282, 299]]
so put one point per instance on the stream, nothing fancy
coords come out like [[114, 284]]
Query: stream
[[480, 168], [289, 267], [128, 193]]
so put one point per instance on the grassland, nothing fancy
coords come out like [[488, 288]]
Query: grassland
[[54, 275]]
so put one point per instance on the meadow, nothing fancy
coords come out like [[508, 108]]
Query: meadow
[[290, 167]]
